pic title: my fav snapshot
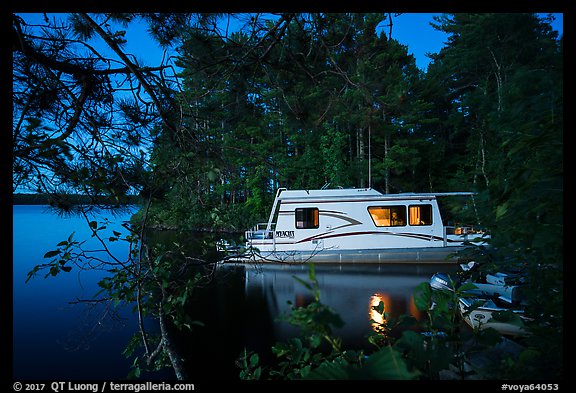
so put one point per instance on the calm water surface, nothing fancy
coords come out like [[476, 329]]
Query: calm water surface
[[54, 339]]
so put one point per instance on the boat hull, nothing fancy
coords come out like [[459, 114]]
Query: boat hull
[[395, 255], [481, 318]]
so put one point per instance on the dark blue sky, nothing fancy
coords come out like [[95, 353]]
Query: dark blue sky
[[415, 31]]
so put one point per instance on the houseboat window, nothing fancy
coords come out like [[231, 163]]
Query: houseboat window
[[388, 216], [420, 214], [307, 218]]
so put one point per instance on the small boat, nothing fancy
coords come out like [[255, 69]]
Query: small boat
[[496, 313], [357, 226], [490, 303]]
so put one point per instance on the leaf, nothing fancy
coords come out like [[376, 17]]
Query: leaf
[[422, 296], [311, 272], [254, 360], [379, 308], [32, 273], [331, 371], [387, 363], [501, 210], [315, 340], [213, 174], [303, 282], [51, 254], [425, 353], [327, 317]]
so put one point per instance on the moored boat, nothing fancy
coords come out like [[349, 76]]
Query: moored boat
[[495, 302], [357, 226], [496, 313]]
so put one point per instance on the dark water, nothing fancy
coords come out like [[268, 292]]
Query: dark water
[[239, 308], [53, 338], [242, 308]]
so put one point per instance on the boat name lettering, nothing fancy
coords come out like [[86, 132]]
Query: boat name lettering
[[288, 234]]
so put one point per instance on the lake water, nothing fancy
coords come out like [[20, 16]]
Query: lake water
[[54, 339]]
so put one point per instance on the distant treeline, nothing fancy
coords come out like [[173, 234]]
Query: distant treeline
[[43, 199]]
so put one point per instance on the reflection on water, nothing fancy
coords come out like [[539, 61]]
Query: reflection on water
[[239, 308], [373, 314], [350, 290]]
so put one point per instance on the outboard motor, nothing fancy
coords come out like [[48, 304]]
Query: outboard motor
[[443, 281]]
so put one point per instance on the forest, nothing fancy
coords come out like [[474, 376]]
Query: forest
[[302, 101], [488, 110]]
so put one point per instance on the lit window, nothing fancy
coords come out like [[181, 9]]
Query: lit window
[[388, 216], [420, 214], [308, 218]]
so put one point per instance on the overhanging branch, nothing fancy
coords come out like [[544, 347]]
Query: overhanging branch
[[134, 69]]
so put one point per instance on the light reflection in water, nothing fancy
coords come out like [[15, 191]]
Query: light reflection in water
[[348, 289], [373, 314], [377, 319]]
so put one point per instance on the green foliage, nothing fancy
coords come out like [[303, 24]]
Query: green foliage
[[140, 364], [249, 362], [333, 151], [61, 259], [293, 107], [386, 363], [514, 63]]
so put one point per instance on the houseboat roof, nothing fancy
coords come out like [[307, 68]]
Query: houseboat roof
[[353, 194]]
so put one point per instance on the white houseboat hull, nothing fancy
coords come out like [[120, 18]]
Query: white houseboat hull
[[395, 255]]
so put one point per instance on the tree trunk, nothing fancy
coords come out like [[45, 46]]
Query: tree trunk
[[175, 359]]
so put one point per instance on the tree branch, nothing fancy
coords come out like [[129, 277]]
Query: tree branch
[[19, 43], [131, 66]]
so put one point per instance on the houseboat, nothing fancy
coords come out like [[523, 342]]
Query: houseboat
[[356, 226]]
